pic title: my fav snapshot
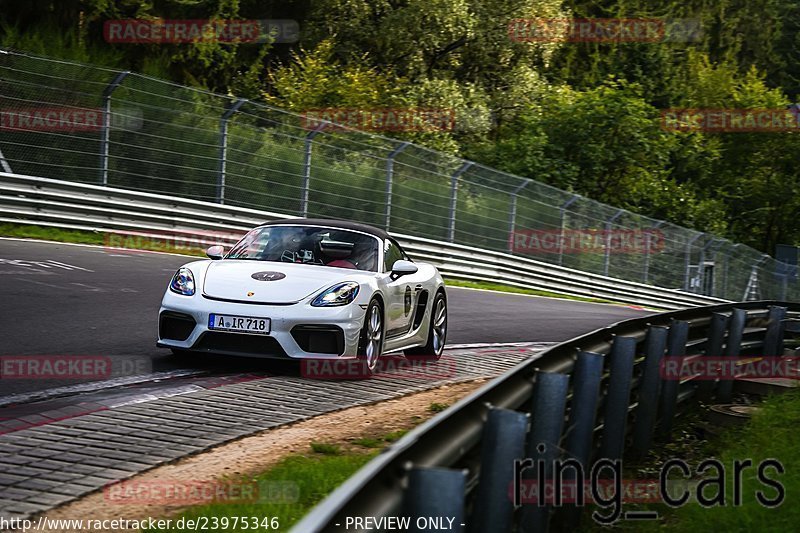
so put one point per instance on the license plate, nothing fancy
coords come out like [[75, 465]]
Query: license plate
[[242, 324]]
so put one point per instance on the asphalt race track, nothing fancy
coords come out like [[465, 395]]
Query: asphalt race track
[[60, 299]]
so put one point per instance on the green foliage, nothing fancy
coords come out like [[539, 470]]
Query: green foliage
[[395, 435], [368, 442], [311, 477], [325, 448], [438, 407], [769, 435], [581, 116]]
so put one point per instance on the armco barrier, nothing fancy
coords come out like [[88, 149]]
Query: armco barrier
[[608, 386], [63, 204]]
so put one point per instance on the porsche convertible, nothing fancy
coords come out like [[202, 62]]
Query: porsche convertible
[[307, 288]]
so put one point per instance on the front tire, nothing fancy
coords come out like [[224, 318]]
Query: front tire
[[370, 345], [437, 332]]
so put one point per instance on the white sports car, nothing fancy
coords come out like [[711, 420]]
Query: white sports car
[[306, 288]]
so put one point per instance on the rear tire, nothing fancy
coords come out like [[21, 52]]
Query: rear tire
[[437, 332], [370, 344]]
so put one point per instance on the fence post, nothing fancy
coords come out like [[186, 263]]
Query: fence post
[[646, 268], [607, 258], [547, 423], [307, 166], [451, 233], [105, 131], [784, 284], [435, 492], [676, 347], [716, 337], [709, 246], [728, 256], [223, 147], [390, 178], [513, 215], [733, 344], [562, 211], [649, 387], [688, 261], [752, 291], [503, 443], [618, 396]]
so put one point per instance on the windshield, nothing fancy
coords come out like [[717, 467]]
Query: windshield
[[309, 245]]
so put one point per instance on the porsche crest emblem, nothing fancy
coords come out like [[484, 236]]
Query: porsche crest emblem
[[250, 293], [268, 276]]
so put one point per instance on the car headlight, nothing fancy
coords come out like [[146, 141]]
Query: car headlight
[[341, 294], [182, 282]]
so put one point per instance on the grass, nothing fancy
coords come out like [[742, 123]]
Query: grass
[[485, 285], [308, 478], [369, 442], [770, 434], [395, 435], [288, 490], [111, 239], [325, 448], [438, 407], [51, 234]]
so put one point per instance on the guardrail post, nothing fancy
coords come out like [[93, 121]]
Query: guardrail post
[[435, 492], [562, 211], [716, 337], [607, 258], [503, 443], [389, 179], [676, 347], [773, 337], [513, 213], [648, 390], [733, 345], [307, 166], [578, 439], [547, 423], [223, 147], [105, 127], [451, 232], [618, 397], [687, 266], [646, 268]]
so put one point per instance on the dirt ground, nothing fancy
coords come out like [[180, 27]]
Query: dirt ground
[[256, 453]]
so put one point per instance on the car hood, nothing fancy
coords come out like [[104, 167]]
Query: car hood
[[270, 282]]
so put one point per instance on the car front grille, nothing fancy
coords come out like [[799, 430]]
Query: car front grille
[[240, 343]]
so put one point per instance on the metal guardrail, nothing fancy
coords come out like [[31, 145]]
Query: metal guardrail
[[71, 205], [460, 463]]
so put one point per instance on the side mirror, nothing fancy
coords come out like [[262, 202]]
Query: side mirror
[[215, 252], [403, 268]]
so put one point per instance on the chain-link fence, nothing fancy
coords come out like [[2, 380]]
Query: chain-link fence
[[84, 123]]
